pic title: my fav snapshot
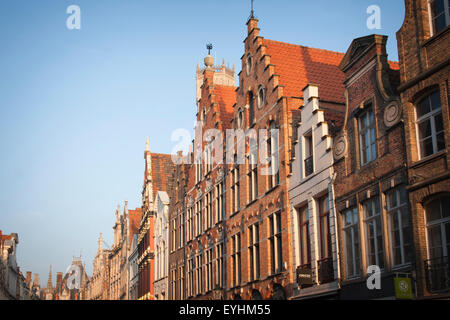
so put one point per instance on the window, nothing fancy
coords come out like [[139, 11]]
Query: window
[[204, 116], [198, 218], [190, 224], [430, 127], [219, 265], [273, 150], [253, 175], [219, 203], [181, 292], [374, 233], [248, 64], [240, 119], [275, 243], [399, 227], [308, 152], [236, 259], [303, 237], [199, 274], [438, 227], [173, 245], [209, 270], [261, 97], [367, 138], [209, 211], [253, 251], [325, 236], [440, 14], [251, 107], [180, 237], [235, 188], [351, 239], [190, 277], [208, 159]]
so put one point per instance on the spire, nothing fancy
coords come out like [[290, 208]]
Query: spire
[[147, 145], [118, 214], [100, 242], [252, 12], [50, 282]]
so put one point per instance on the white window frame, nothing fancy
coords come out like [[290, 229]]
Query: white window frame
[[431, 18], [365, 131], [441, 223], [378, 218], [352, 227], [397, 210], [430, 115]]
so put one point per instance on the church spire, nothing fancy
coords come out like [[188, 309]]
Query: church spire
[[50, 282]]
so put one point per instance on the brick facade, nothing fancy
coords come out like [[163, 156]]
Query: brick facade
[[424, 56]]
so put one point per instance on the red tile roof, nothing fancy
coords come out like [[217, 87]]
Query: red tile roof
[[225, 96], [135, 219], [298, 66], [163, 170]]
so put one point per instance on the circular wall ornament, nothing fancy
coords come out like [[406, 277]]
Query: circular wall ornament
[[392, 114], [340, 147]]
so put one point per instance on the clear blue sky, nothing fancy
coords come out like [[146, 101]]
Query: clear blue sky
[[76, 106]]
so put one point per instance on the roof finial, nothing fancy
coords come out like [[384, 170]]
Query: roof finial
[[209, 61], [147, 143], [209, 46], [252, 13]]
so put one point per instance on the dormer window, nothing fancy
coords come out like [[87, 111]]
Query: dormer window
[[248, 64], [439, 14]]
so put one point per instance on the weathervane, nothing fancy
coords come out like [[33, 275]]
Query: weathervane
[[209, 46]]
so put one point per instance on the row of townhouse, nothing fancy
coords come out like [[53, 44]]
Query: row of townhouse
[[114, 274], [13, 284], [350, 179], [135, 266]]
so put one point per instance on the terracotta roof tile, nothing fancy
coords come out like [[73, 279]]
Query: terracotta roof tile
[[225, 96], [163, 170], [298, 66], [135, 218]]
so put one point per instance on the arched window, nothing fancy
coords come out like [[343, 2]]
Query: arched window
[[430, 127], [251, 108], [240, 119], [248, 64], [261, 97]]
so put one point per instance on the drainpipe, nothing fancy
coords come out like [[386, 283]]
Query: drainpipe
[[338, 267]]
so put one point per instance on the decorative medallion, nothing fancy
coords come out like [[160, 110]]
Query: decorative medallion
[[190, 201], [340, 147], [208, 185], [392, 114], [219, 174]]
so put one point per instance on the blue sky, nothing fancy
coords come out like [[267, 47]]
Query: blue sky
[[76, 106]]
